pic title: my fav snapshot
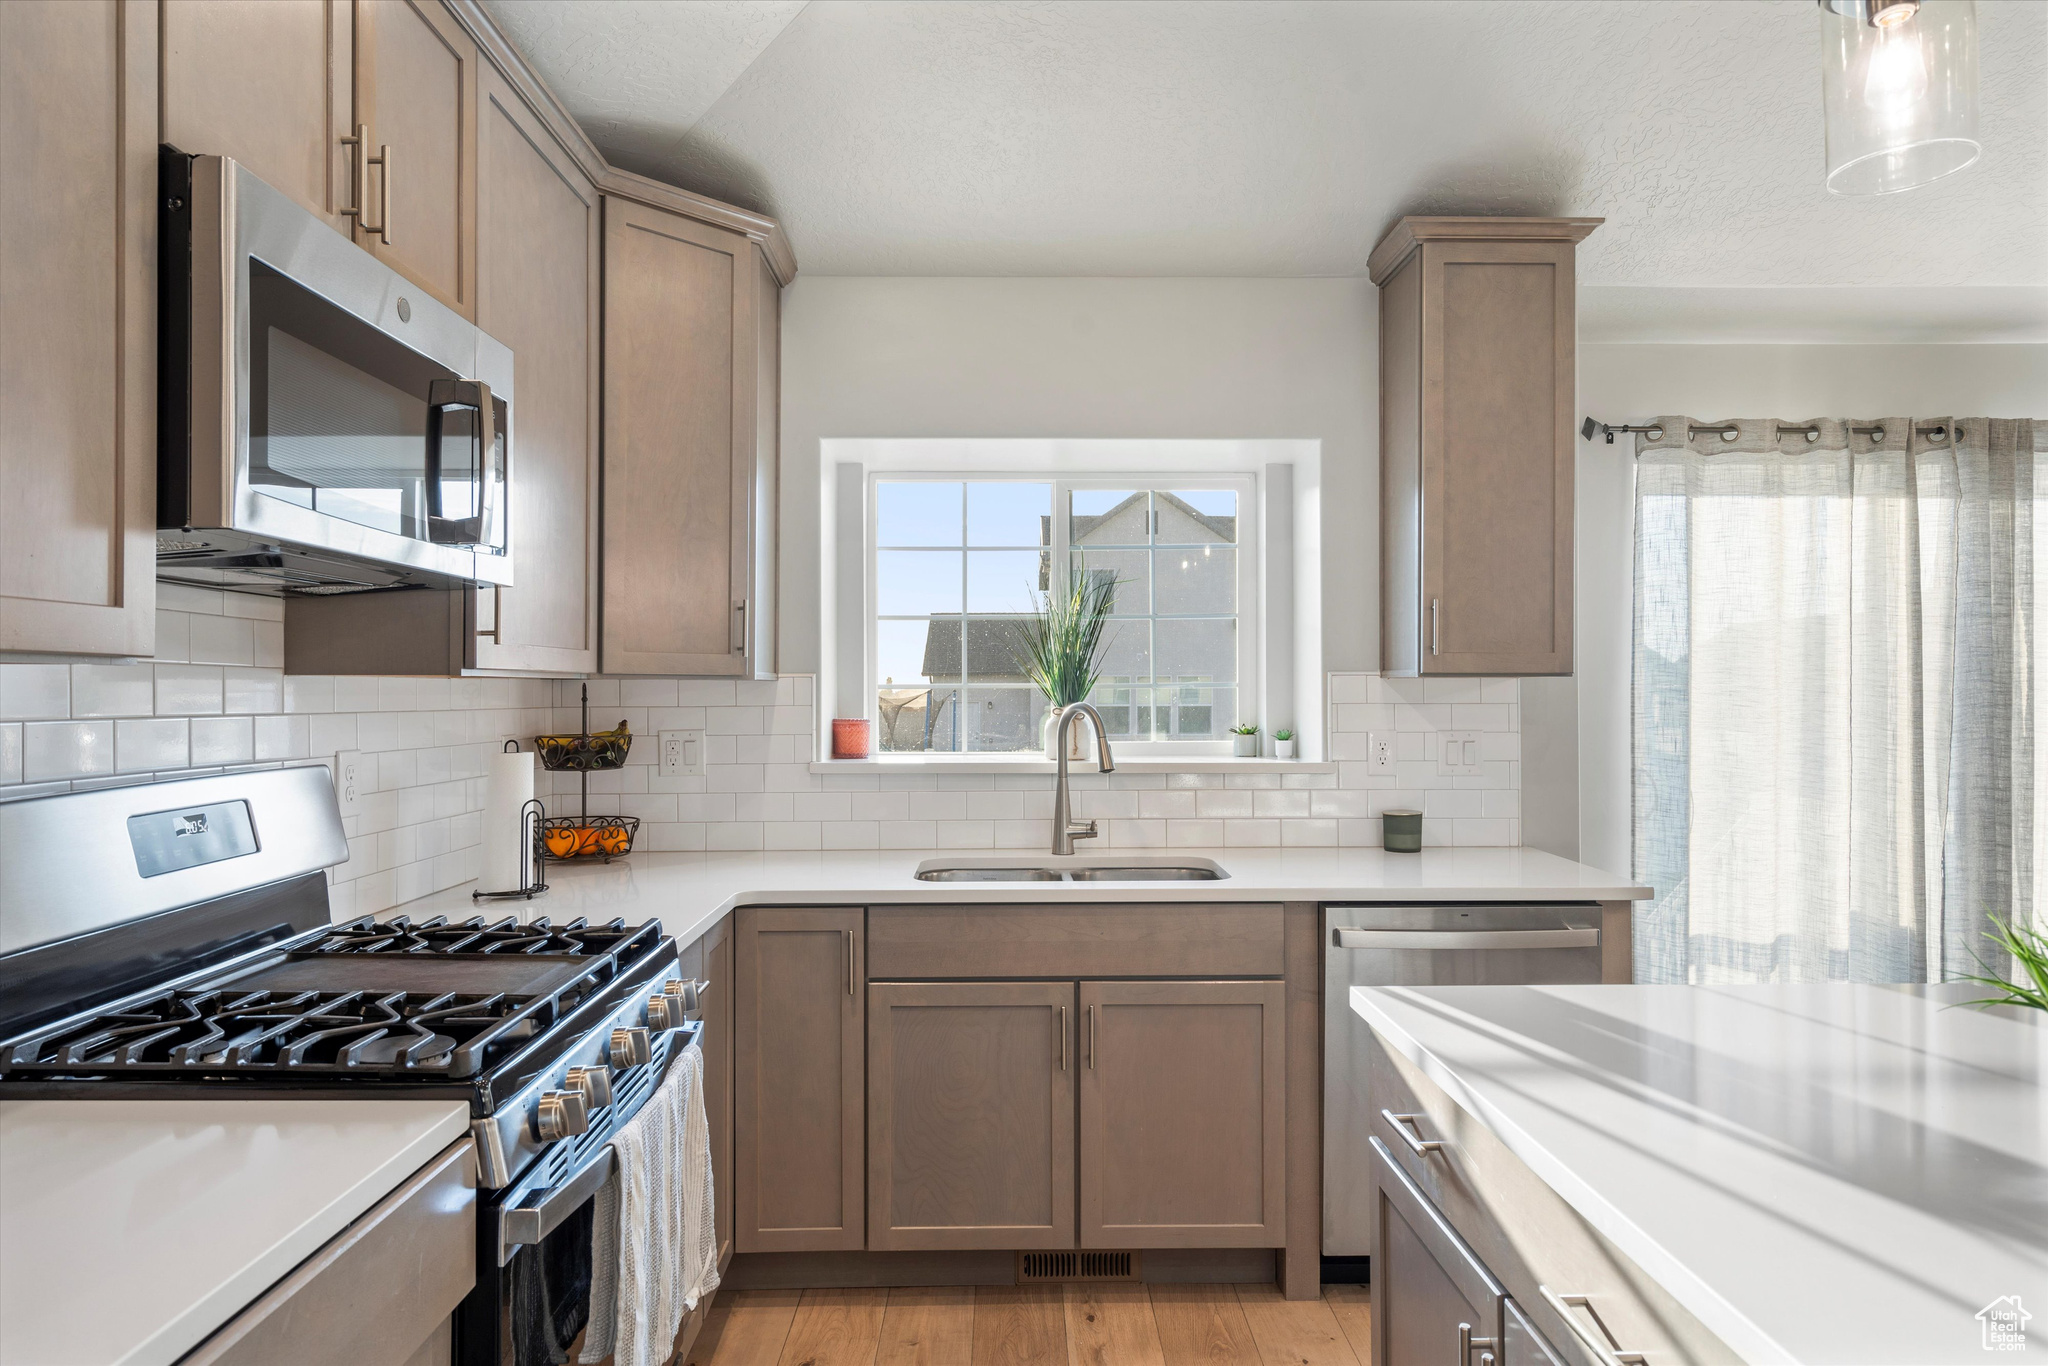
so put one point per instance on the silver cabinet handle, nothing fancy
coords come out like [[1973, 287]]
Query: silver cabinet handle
[[1466, 1342], [383, 226], [1468, 939], [1091, 1038], [497, 616], [359, 177], [1435, 638], [739, 627], [1604, 1347], [849, 962], [1417, 1144], [1062, 1027]]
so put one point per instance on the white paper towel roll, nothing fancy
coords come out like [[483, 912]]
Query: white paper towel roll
[[508, 787]]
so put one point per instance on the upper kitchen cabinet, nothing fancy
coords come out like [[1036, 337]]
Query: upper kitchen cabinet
[[538, 235], [270, 83], [1477, 339], [78, 154], [689, 342], [416, 77]]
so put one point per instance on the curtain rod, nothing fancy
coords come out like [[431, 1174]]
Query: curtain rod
[[1727, 431]]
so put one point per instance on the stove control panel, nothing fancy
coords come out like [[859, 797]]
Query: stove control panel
[[561, 1114]]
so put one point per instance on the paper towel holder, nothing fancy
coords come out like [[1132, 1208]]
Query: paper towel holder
[[532, 871]]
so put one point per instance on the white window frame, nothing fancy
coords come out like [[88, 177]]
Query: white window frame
[[1248, 594]]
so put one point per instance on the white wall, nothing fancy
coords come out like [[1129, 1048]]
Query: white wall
[[1629, 383], [1206, 358]]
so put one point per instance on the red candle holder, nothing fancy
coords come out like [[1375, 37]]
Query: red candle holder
[[850, 739]]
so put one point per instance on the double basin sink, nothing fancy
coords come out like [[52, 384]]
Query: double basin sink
[[1053, 869]]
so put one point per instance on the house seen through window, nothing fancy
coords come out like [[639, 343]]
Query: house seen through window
[[960, 565]]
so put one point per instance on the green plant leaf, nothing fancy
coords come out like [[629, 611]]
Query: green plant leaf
[[1061, 647], [2028, 949]]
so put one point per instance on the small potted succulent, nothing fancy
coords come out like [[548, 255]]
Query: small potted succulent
[[1283, 744], [1245, 745]]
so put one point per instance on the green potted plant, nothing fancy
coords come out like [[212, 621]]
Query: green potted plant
[[1245, 744], [2029, 950], [1061, 648], [1283, 744]]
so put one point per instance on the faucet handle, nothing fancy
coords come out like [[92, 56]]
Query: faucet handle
[[1081, 830]]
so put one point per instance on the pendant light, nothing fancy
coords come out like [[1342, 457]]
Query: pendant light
[[1899, 84]]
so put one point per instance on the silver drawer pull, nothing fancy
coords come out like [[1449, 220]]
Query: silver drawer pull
[[1468, 939], [1603, 1346], [1420, 1146]]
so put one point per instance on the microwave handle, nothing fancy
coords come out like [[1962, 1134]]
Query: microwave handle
[[443, 394]]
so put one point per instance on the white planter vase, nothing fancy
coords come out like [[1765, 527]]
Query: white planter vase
[[1283, 749], [1245, 746], [1080, 738]]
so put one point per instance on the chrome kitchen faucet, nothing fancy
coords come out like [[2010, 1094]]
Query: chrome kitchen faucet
[[1065, 830]]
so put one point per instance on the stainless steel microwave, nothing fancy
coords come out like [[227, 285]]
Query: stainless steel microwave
[[324, 424]]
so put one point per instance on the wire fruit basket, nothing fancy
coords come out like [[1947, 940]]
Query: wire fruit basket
[[586, 836]]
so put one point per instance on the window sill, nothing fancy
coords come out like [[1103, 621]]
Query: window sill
[[981, 763]]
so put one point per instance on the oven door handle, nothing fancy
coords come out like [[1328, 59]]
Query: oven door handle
[[540, 1214], [1468, 939]]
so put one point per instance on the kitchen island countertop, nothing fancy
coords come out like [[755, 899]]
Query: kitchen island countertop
[[689, 893], [131, 1230], [1820, 1174]]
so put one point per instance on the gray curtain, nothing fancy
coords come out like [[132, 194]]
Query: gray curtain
[[1834, 706]]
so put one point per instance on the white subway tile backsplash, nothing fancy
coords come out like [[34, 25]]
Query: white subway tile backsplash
[[66, 749], [222, 640], [148, 746], [425, 742]]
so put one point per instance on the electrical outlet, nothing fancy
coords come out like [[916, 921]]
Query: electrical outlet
[[1458, 753], [348, 780], [1379, 752], [682, 754]]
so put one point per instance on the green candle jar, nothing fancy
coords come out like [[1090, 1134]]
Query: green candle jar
[[1401, 831]]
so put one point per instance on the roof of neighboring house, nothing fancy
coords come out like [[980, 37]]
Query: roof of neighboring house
[[1224, 529], [991, 640]]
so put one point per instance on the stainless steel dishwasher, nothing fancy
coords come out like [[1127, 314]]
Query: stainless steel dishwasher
[[1469, 944]]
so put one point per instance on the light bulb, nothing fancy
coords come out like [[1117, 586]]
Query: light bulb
[[1895, 81]]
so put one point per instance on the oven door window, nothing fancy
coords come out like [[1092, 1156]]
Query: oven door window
[[346, 421]]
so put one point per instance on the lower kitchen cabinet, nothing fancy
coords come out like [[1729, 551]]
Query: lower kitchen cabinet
[[798, 1046], [1183, 1114], [1433, 1299], [970, 1115]]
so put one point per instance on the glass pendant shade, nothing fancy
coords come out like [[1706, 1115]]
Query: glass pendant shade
[[1899, 83]]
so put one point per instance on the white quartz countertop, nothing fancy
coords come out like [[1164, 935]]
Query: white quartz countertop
[[1821, 1174], [131, 1230], [689, 893]]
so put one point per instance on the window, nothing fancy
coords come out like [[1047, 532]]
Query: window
[[958, 566]]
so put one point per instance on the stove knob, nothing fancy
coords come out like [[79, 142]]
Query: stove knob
[[664, 1012], [561, 1114], [631, 1048], [686, 992], [594, 1082]]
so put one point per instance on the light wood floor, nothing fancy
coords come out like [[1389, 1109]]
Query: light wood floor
[[1078, 1324]]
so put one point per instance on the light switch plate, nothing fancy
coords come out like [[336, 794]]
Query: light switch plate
[[1458, 752], [1379, 752], [682, 754], [348, 779]]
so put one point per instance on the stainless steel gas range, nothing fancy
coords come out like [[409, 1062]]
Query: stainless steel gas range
[[174, 939]]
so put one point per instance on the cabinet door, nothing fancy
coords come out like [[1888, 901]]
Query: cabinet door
[[271, 84], [1497, 337], [416, 92], [78, 153], [717, 1045], [970, 1115], [680, 361], [797, 1048], [537, 245], [1430, 1293], [1183, 1114]]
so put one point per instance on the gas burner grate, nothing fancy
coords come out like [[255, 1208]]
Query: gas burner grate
[[306, 1032], [506, 937]]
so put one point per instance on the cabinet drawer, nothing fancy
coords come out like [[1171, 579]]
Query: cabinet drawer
[[1525, 1233], [1117, 939]]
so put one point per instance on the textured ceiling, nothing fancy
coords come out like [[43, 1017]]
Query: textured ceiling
[[1281, 138]]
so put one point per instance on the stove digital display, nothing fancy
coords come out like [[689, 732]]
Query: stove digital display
[[168, 841]]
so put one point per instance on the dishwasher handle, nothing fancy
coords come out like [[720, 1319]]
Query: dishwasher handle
[[1468, 939]]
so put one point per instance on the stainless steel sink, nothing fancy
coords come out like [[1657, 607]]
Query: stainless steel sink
[[1127, 869]]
